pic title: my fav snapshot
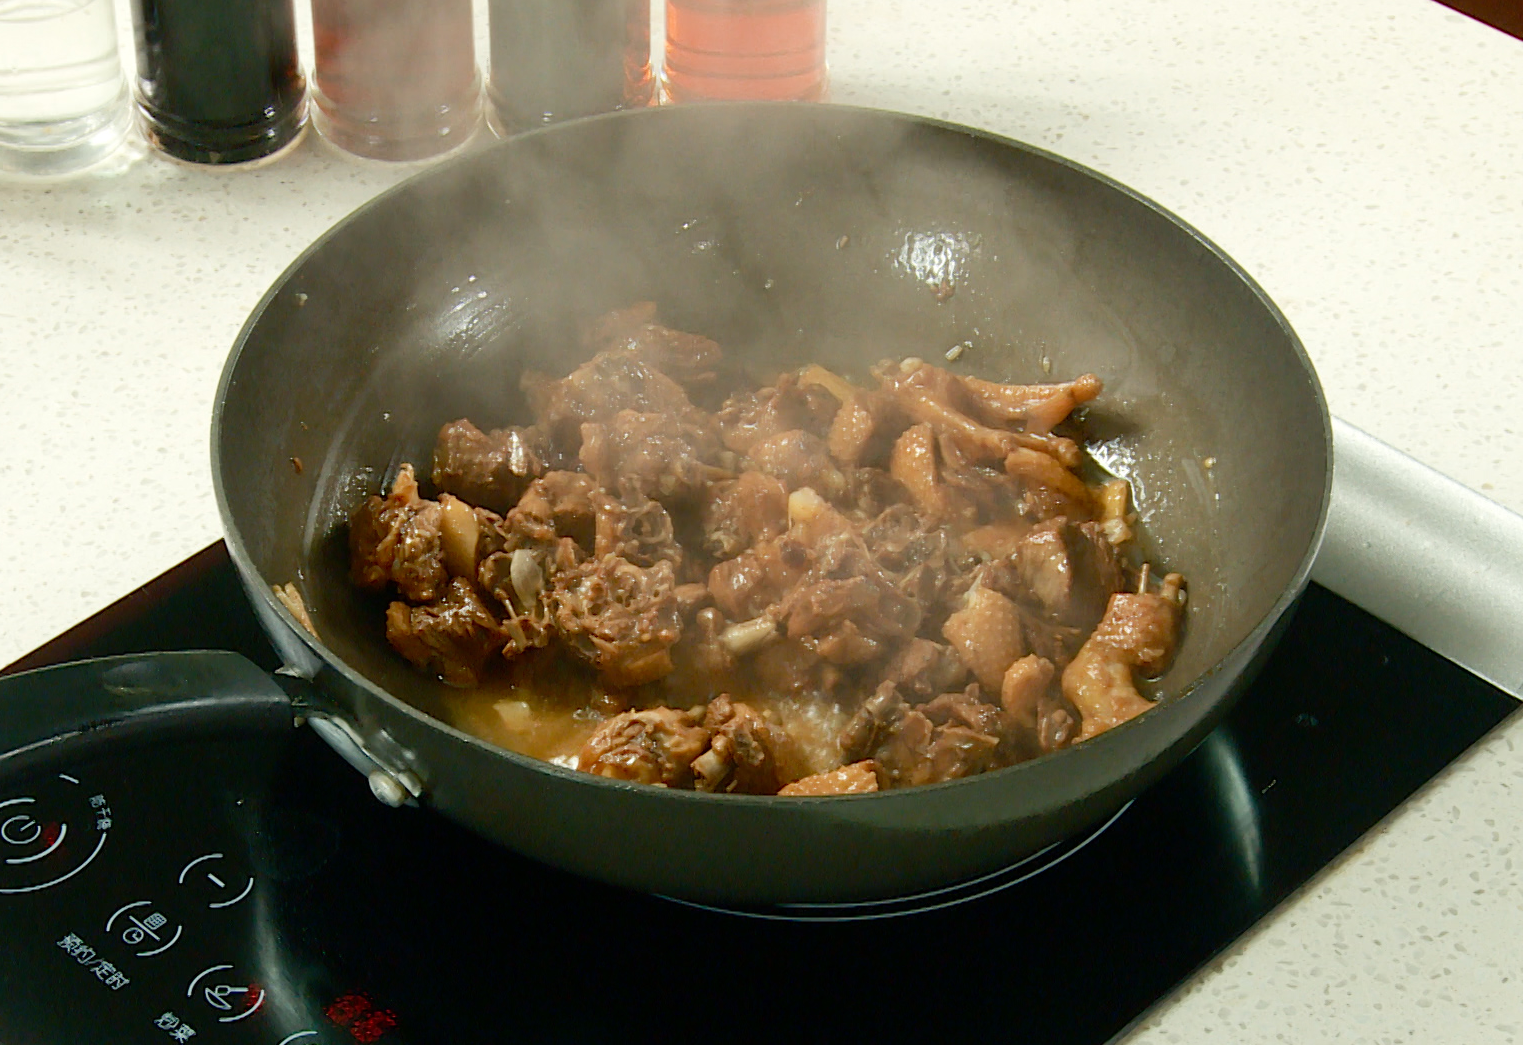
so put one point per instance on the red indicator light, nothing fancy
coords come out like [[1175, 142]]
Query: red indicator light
[[346, 1009], [372, 1025], [366, 1023], [49, 834]]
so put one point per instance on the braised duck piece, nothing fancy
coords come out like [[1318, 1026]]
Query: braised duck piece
[[1135, 637], [748, 418], [619, 617], [490, 469], [742, 756], [656, 746], [398, 540], [451, 637]]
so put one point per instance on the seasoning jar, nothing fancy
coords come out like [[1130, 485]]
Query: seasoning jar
[[395, 79], [218, 80], [63, 99], [770, 50], [558, 59]]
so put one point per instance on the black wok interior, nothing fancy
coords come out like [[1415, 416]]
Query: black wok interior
[[789, 234]]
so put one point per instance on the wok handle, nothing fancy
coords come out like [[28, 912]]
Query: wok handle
[[59, 711]]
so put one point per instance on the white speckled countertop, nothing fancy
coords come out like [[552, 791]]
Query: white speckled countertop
[[1363, 160]]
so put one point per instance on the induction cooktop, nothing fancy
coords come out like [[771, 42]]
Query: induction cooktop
[[243, 886]]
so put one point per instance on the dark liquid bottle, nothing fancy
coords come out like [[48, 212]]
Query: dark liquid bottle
[[218, 80], [771, 50], [395, 79], [559, 59]]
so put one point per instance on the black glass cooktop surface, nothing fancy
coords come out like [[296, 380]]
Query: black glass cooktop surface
[[248, 889]]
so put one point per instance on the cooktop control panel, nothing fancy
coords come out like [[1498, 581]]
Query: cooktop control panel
[[139, 902]]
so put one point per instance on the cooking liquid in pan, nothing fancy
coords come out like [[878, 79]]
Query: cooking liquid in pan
[[546, 708], [766, 50]]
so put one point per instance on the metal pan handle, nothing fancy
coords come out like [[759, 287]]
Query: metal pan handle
[[59, 711]]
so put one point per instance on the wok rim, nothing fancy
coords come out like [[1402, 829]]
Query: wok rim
[[1240, 652]]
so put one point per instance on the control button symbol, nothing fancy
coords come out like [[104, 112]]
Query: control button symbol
[[226, 895], [49, 836], [148, 927], [21, 830], [226, 994], [291, 1039]]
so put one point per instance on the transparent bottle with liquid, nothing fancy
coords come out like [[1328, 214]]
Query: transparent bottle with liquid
[[395, 79], [218, 80], [63, 98], [559, 59], [772, 50]]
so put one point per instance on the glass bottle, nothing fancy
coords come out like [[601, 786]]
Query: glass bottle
[[745, 49], [559, 59], [63, 99], [395, 79], [218, 80]]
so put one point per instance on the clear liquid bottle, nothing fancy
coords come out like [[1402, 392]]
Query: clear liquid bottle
[[217, 80], [63, 99], [559, 59], [770, 50], [395, 79]]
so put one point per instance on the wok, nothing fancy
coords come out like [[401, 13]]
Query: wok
[[788, 234]]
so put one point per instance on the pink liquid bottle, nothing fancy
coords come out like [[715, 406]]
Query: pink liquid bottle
[[395, 79], [770, 50]]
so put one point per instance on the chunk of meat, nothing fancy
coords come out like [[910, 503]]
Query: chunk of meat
[[928, 563], [649, 455], [640, 531], [922, 752], [556, 505], [931, 395], [1036, 707], [865, 424], [748, 418], [601, 388], [620, 617], [1065, 572], [859, 778], [1050, 489], [913, 464], [987, 632], [691, 359], [516, 580], [922, 669], [657, 746], [869, 493], [847, 607], [874, 607], [747, 585], [1136, 635], [873, 723], [398, 540], [451, 638], [490, 469], [991, 493], [738, 513], [966, 708], [997, 540], [798, 459], [1037, 408], [742, 757], [864, 428]]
